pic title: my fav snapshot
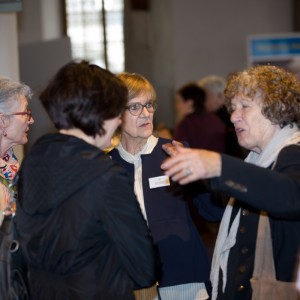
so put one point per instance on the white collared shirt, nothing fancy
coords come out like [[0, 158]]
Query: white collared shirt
[[137, 161]]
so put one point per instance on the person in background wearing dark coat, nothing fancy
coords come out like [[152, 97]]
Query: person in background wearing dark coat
[[185, 262], [79, 224], [200, 129], [264, 102], [197, 127], [214, 87]]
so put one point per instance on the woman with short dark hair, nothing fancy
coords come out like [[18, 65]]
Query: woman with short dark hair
[[199, 128], [80, 227]]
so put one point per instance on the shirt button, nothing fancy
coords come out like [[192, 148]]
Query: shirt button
[[245, 212], [242, 229], [244, 250], [242, 269], [241, 288]]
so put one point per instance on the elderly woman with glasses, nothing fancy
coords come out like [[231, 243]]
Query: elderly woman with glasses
[[184, 262], [15, 118], [258, 243]]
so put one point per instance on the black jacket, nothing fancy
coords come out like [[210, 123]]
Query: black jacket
[[182, 252], [80, 227], [276, 192]]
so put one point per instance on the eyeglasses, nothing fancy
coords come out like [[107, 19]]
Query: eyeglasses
[[27, 112], [136, 108]]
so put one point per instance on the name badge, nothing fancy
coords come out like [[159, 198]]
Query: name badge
[[156, 182]]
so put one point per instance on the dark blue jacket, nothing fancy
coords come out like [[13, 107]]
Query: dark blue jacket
[[82, 238], [182, 252], [276, 192]]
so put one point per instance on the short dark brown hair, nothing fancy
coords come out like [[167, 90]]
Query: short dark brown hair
[[83, 95], [192, 91]]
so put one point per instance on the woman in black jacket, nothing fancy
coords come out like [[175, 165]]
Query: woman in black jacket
[[80, 227], [264, 102]]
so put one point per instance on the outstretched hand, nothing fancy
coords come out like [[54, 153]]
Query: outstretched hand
[[186, 165], [171, 148]]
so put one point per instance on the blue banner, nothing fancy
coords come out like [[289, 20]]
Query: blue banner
[[272, 47]]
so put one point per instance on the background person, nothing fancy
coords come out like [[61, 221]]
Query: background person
[[200, 128], [214, 87], [15, 119], [264, 102], [80, 227], [185, 263], [197, 127]]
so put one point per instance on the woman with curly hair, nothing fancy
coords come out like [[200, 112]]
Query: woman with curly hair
[[264, 103]]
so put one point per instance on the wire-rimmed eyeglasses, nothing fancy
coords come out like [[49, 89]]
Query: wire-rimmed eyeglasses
[[28, 112], [136, 108]]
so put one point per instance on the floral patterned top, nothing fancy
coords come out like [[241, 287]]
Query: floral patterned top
[[9, 167]]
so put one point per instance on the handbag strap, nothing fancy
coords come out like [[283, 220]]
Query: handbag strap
[[264, 262]]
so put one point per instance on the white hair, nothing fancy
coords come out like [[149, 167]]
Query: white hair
[[213, 83], [10, 91]]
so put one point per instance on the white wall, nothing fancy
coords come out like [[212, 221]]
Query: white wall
[[216, 42], [40, 20], [39, 62], [52, 22], [9, 55], [43, 50], [185, 40]]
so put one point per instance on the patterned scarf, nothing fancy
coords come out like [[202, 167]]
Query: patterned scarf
[[9, 165], [8, 169]]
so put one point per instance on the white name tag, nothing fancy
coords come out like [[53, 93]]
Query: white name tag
[[156, 182]]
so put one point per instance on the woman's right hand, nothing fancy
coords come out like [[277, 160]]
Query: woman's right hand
[[186, 165], [170, 148]]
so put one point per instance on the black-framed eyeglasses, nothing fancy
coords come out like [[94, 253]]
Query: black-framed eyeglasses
[[28, 112], [136, 108]]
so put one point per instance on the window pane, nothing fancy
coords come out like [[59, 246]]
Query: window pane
[[85, 29]]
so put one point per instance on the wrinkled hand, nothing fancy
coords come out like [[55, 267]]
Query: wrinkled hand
[[188, 165], [170, 148]]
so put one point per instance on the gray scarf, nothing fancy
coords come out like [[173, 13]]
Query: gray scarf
[[226, 239]]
